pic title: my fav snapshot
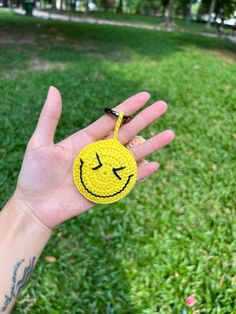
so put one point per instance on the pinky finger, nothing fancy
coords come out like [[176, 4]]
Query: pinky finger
[[146, 170]]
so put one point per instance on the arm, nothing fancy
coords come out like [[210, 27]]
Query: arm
[[46, 195], [22, 239]]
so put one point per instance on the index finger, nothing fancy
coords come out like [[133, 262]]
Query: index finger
[[106, 123]]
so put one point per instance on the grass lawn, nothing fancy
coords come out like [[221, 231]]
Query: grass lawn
[[180, 24], [175, 234]]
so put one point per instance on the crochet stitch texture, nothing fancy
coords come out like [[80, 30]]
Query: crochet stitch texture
[[105, 171]]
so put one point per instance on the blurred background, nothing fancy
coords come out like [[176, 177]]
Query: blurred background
[[170, 246]]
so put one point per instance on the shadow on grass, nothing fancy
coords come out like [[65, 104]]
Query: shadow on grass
[[103, 252], [108, 39], [89, 275]]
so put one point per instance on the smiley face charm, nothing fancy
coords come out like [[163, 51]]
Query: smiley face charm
[[105, 171]]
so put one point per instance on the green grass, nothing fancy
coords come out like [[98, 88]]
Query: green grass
[[179, 23], [175, 234]]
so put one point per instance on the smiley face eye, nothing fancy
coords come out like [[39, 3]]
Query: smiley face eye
[[115, 170], [99, 163]]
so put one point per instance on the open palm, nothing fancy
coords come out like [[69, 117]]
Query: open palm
[[45, 184]]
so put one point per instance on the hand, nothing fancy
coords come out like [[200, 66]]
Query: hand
[[45, 185]]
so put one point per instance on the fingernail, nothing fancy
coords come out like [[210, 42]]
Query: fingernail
[[162, 105], [170, 134], [156, 165], [144, 95]]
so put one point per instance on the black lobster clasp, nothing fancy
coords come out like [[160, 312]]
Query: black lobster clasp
[[116, 114]]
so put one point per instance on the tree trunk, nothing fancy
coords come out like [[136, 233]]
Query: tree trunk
[[168, 13], [86, 7], [5, 4], [54, 5], [72, 6], [120, 7], [61, 5], [212, 9], [104, 4], [163, 9], [189, 13], [41, 4]]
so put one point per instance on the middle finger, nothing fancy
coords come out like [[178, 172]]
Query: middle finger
[[141, 121]]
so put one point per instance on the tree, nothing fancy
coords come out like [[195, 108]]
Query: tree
[[168, 13], [216, 6], [228, 6], [119, 8], [54, 5], [5, 3], [182, 7], [86, 7], [149, 7], [211, 11], [107, 5]]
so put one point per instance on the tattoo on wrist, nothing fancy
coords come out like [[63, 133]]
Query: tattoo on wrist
[[18, 283]]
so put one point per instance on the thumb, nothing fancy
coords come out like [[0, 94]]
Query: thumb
[[48, 120]]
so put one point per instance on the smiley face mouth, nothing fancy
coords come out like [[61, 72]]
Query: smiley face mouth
[[97, 195]]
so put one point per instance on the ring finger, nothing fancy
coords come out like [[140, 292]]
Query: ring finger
[[153, 144]]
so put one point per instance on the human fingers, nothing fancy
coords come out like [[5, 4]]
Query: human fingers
[[147, 169], [106, 123], [141, 121], [48, 120], [153, 144]]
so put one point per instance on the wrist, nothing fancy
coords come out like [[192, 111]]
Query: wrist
[[22, 239], [19, 202], [18, 215]]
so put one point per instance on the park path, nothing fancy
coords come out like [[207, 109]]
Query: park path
[[92, 20]]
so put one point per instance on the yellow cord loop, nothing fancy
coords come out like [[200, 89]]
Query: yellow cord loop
[[118, 124], [105, 171]]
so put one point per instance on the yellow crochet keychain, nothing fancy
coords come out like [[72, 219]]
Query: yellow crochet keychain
[[105, 171]]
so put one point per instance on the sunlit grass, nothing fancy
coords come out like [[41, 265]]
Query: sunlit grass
[[178, 23], [174, 235]]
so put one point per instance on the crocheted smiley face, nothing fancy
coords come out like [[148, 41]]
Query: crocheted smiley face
[[105, 171]]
